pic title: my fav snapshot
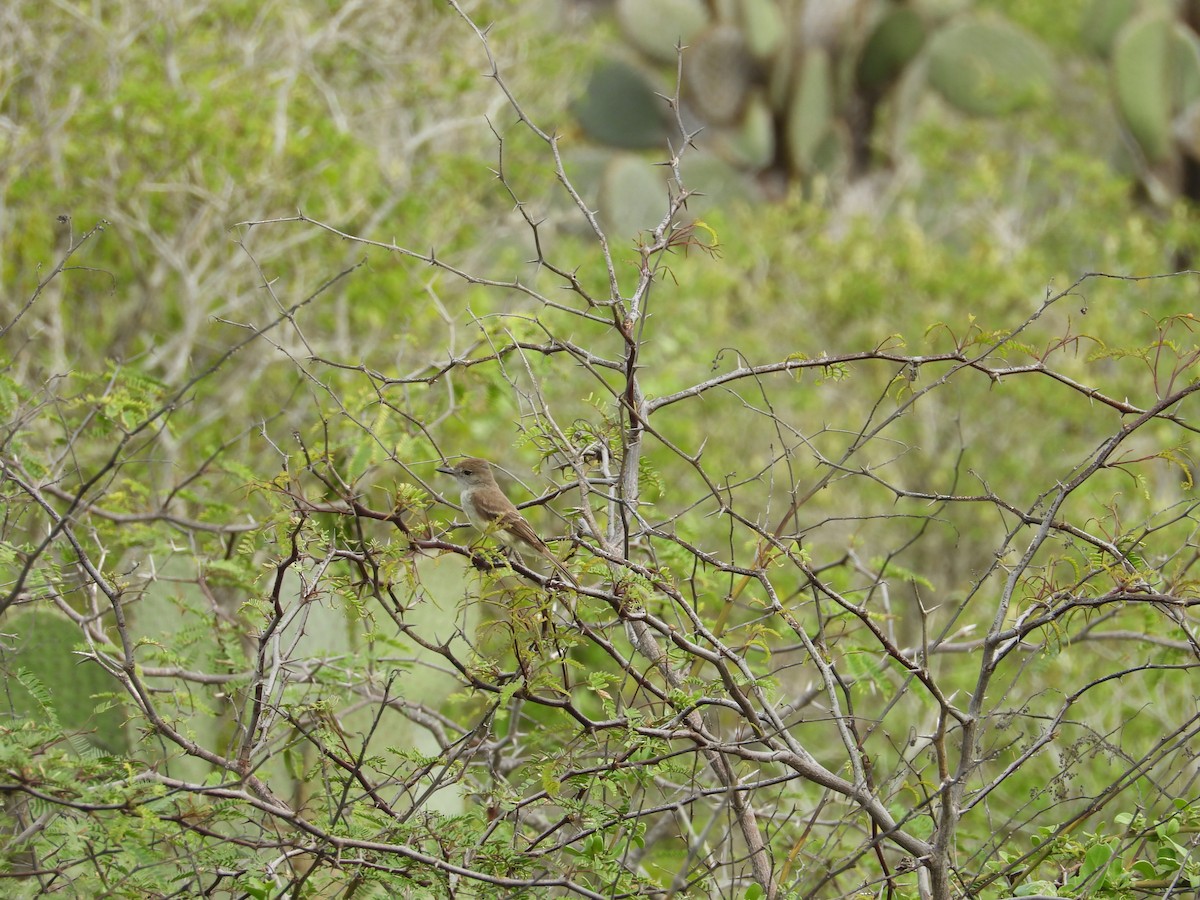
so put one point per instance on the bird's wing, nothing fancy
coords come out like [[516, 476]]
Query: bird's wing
[[515, 522]]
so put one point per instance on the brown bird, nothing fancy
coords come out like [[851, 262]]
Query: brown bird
[[494, 514]]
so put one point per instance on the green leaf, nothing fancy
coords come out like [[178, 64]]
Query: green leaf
[[1143, 868]]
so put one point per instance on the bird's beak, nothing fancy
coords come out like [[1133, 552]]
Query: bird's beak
[[446, 470]]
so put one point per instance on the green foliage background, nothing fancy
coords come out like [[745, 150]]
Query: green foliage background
[[175, 127]]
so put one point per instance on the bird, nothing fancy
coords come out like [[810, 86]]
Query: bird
[[494, 514]]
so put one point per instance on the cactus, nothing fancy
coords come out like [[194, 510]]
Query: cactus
[[1156, 75], [44, 648], [657, 27], [1102, 22], [717, 71], [752, 144], [762, 23], [827, 23], [895, 40], [799, 82], [939, 10], [988, 68], [620, 109], [811, 110], [633, 195]]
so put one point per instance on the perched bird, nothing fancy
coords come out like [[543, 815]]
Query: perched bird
[[494, 514]]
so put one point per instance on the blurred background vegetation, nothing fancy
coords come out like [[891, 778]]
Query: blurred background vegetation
[[905, 174]]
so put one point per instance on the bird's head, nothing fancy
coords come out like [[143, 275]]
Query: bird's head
[[472, 471]]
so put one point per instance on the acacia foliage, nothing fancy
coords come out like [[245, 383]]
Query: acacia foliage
[[909, 613]]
